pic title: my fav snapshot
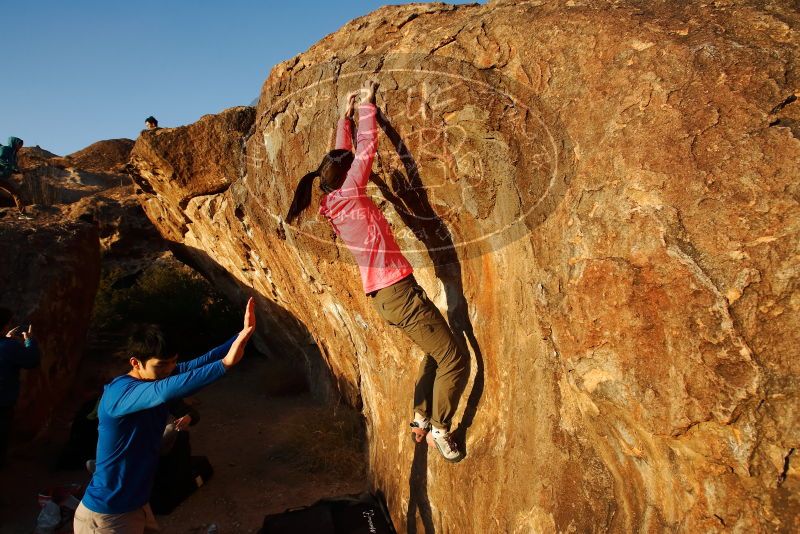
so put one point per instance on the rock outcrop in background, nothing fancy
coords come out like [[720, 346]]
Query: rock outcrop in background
[[602, 198], [85, 219], [93, 185], [49, 281]]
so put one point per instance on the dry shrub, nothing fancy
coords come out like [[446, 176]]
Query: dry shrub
[[330, 440]]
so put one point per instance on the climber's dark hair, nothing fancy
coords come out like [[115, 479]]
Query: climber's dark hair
[[148, 341], [152, 120], [332, 172]]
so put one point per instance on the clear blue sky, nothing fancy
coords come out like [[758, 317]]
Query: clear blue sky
[[76, 72]]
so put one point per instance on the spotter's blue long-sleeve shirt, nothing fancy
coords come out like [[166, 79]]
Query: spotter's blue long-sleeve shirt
[[132, 416]]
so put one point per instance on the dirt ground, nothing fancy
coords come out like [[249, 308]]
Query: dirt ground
[[256, 444]]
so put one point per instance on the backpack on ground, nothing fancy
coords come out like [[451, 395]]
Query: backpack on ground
[[82, 444], [349, 514], [178, 475]]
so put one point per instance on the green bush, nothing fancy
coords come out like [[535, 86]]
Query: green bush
[[183, 303]]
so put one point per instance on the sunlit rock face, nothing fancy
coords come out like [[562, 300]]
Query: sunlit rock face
[[93, 185], [603, 200]]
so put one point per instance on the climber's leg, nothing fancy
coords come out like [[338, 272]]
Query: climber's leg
[[406, 306], [423, 390]]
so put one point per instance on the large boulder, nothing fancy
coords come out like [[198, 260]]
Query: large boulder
[[49, 281], [602, 198], [83, 207], [49, 180], [178, 169], [92, 184]]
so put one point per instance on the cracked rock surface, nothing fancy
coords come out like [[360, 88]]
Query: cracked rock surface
[[603, 200]]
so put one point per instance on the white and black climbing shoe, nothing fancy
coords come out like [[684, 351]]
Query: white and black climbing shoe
[[444, 442]]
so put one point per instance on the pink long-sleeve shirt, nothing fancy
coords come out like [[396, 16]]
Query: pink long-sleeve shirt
[[355, 218]]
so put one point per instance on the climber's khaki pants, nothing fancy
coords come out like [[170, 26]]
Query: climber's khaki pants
[[137, 522], [444, 370]]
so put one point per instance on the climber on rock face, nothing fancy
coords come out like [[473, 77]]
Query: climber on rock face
[[132, 413], [151, 123], [386, 274]]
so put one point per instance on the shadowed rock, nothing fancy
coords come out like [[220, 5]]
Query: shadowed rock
[[83, 206], [49, 281]]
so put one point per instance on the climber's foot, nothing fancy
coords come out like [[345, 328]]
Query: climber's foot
[[445, 444]]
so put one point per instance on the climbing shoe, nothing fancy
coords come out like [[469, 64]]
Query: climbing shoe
[[444, 442]]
